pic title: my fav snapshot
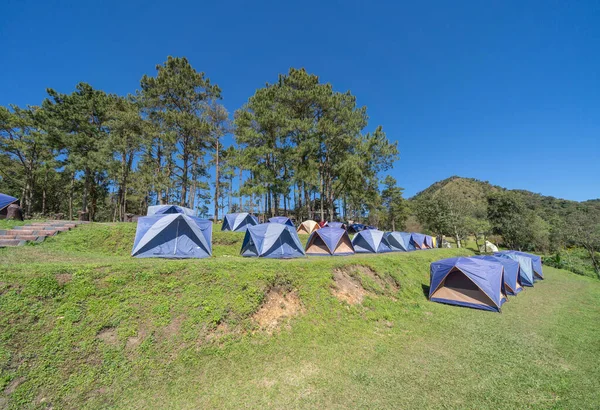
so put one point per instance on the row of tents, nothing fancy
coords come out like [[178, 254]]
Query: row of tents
[[171, 231], [239, 222], [483, 282], [275, 240]]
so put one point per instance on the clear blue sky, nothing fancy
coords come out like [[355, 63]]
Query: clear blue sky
[[505, 91]]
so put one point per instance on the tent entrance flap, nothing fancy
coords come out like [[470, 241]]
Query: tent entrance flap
[[317, 246], [458, 287], [344, 245]]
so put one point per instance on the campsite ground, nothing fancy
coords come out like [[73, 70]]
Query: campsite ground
[[83, 325]]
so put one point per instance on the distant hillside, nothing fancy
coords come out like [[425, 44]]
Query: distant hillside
[[547, 206]]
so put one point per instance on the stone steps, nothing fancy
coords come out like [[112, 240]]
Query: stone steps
[[35, 238], [35, 232], [11, 242]]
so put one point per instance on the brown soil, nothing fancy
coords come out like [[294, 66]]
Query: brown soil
[[135, 341], [278, 307], [12, 386], [347, 288], [108, 335], [173, 328]]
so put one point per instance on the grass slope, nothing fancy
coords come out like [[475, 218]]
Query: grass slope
[[83, 325]]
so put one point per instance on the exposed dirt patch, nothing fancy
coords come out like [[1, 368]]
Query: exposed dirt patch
[[347, 288], [135, 341], [6, 287], [279, 306], [12, 386], [108, 335], [173, 328], [63, 278]]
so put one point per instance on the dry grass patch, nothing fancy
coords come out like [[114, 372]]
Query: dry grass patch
[[63, 278]]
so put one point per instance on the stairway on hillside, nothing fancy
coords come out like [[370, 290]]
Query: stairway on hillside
[[35, 232]]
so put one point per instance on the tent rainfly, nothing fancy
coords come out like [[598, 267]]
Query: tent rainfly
[[356, 228], [308, 227], [536, 261], [238, 222], [169, 209], [329, 241], [511, 272], [272, 240], [428, 241], [470, 282], [399, 241], [418, 240], [174, 236], [526, 274], [281, 220], [6, 200], [339, 225], [370, 241]]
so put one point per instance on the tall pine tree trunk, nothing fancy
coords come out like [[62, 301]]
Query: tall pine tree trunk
[[72, 188], [217, 179], [322, 199]]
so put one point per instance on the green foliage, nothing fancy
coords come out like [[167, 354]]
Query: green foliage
[[576, 260], [449, 211], [301, 145], [300, 133], [177, 100], [521, 219], [519, 226], [395, 206]]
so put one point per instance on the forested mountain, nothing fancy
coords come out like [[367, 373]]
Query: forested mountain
[[520, 219], [476, 192]]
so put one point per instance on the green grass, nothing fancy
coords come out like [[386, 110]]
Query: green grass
[[9, 223], [180, 334]]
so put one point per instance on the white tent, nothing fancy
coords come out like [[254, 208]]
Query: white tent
[[488, 247]]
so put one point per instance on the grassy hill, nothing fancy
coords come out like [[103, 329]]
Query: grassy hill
[[83, 325]]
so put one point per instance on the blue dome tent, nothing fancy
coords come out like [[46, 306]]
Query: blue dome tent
[[272, 240], [419, 240], [399, 241], [469, 282], [356, 228], [172, 236], [281, 220], [429, 241], [536, 262], [511, 272], [526, 274], [6, 200], [339, 225], [329, 241], [238, 222], [370, 241], [169, 209]]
